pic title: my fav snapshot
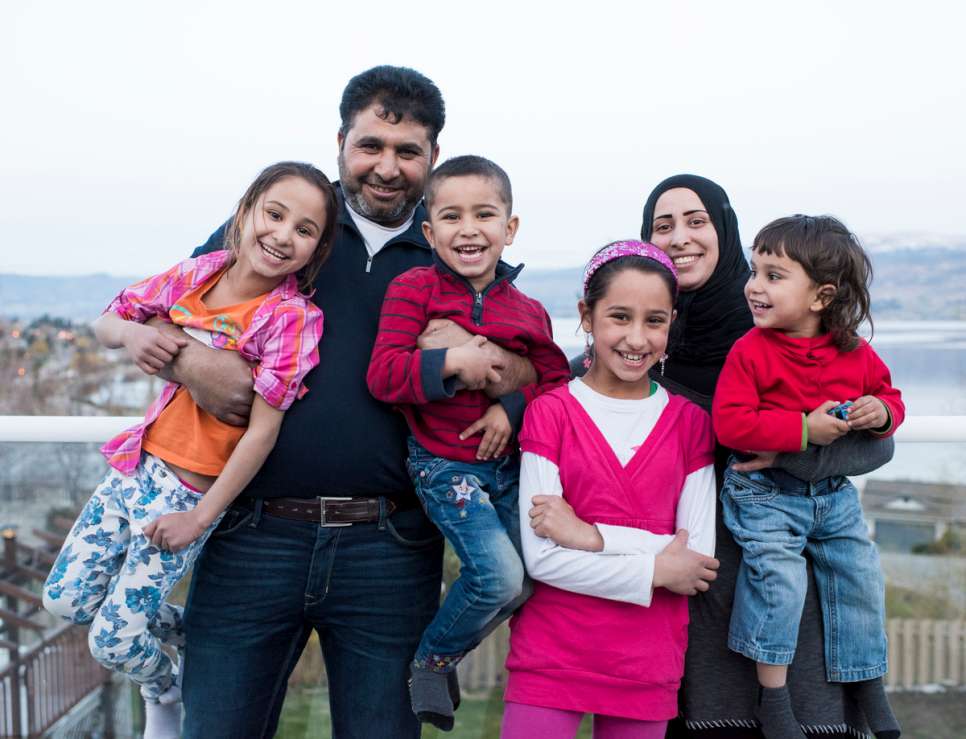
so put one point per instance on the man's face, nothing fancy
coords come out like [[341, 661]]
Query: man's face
[[383, 166]]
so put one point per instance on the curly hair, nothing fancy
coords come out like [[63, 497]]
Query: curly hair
[[830, 254]]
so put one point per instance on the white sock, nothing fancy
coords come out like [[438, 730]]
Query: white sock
[[162, 720]]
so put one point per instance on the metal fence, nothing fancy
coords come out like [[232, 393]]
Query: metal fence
[[48, 670]]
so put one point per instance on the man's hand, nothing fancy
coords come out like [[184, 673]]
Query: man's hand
[[515, 371], [496, 429], [472, 364], [823, 429], [682, 570], [442, 333], [868, 412], [552, 517], [762, 461], [150, 348], [174, 531], [220, 381]]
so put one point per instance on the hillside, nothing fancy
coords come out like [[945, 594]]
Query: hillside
[[925, 283]]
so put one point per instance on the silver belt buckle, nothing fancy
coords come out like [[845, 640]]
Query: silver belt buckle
[[322, 521]]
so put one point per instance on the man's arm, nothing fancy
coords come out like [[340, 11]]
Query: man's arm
[[517, 371], [220, 382]]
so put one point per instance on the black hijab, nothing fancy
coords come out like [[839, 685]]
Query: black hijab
[[711, 318]]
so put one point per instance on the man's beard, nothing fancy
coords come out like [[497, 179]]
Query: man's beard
[[352, 191]]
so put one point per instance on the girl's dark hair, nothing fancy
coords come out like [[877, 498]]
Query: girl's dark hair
[[830, 254], [605, 274], [268, 177]]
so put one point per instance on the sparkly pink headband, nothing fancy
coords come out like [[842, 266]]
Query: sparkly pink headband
[[627, 249]]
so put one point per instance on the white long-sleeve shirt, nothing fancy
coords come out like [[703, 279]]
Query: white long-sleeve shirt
[[624, 570]]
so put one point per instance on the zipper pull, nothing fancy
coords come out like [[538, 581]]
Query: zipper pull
[[369, 264]]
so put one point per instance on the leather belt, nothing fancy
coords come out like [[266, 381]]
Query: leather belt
[[323, 510]]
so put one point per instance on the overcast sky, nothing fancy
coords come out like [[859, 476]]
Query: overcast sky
[[131, 129]]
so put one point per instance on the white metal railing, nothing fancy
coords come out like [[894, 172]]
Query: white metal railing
[[102, 428]]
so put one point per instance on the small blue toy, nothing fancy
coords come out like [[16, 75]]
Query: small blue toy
[[841, 411]]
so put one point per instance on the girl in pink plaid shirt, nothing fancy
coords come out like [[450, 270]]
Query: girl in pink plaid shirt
[[172, 476]]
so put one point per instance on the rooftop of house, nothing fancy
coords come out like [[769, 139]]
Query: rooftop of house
[[910, 499]]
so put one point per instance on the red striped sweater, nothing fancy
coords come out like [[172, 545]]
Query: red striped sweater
[[411, 378]]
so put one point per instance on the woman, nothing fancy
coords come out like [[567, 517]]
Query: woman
[[691, 219]]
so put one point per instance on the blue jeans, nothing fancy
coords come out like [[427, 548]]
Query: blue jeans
[[260, 587], [474, 504], [774, 517]]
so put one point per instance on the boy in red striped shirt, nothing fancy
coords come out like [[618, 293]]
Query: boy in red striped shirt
[[466, 482]]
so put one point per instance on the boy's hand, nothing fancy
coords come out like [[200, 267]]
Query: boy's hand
[[473, 364], [823, 429], [150, 349], [174, 531], [496, 428], [552, 517], [868, 412]]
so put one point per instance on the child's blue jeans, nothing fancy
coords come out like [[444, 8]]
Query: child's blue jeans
[[474, 505], [774, 517]]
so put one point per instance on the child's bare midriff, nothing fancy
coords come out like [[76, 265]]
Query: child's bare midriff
[[193, 479]]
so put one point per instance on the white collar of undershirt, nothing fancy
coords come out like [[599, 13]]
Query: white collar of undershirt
[[584, 392], [375, 235]]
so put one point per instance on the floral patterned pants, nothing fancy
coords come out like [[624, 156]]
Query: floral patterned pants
[[109, 575]]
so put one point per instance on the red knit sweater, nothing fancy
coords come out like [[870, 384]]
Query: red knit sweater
[[769, 380], [411, 378]]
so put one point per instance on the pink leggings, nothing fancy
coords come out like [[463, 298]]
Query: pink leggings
[[521, 721]]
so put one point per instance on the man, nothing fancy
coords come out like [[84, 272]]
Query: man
[[329, 535]]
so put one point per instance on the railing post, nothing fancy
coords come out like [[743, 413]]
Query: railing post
[[12, 633], [107, 707]]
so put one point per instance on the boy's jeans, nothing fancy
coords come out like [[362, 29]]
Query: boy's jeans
[[774, 517], [474, 505]]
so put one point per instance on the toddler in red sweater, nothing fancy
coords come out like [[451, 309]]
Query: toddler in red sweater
[[463, 407], [808, 293]]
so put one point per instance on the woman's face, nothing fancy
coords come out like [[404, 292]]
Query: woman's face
[[682, 229]]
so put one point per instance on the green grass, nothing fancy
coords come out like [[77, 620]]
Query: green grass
[[306, 714]]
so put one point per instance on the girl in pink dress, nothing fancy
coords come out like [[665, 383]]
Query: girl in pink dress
[[617, 502]]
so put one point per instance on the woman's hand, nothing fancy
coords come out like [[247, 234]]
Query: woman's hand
[[174, 531], [761, 461], [682, 570], [552, 517], [823, 429], [150, 349]]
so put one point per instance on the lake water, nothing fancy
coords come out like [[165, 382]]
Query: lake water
[[928, 364]]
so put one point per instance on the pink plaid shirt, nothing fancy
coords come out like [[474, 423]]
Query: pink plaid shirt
[[282, 339]]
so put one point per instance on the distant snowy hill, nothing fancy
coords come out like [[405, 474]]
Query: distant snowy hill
[[917, 277]]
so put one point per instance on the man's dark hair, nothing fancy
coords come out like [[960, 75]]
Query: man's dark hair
[[401, 92], [470, 165]]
